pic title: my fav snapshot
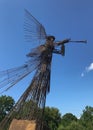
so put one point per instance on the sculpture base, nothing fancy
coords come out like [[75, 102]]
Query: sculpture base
[[22, 125]]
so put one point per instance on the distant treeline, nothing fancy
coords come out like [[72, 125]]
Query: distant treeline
[[52, 117]]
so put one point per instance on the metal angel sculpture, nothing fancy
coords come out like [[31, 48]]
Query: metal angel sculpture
[[40, 62]]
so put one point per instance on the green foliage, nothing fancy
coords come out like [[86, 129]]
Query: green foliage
[[6, 103], [61, 127], [75, 126], [87, 114], [87, 118], [52, 118], [70, 122], [67, 119]]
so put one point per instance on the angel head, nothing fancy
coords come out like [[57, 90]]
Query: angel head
[[50, 38]]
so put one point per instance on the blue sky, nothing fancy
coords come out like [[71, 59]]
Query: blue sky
[[71, 78]]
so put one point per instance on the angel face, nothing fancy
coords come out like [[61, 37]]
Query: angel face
[[50, 38]]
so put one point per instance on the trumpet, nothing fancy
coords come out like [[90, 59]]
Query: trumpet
[[69, 40]]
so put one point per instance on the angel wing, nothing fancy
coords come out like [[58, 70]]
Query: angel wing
[[34, 31], [10, 77]]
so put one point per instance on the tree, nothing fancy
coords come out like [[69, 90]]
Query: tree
[[75, 126], [67, 119], [87, 118], [87, 114], [52, 118], [6, 103]]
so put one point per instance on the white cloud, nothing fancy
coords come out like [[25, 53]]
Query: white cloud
[[82, 75], [87, 69]]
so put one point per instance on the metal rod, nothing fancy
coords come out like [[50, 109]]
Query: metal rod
[[83, 41]]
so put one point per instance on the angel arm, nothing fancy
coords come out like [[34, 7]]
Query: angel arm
[[62, 45], [62, 42]]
